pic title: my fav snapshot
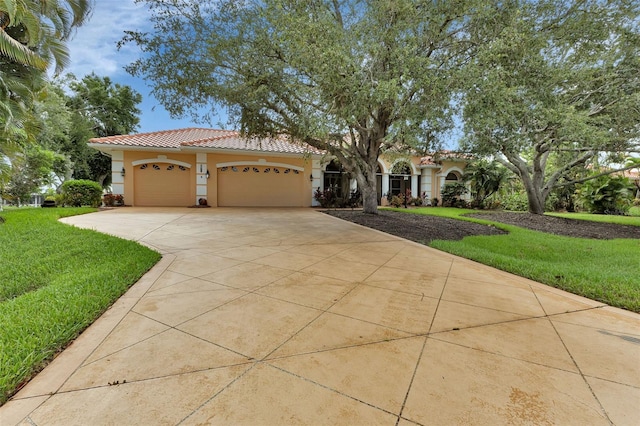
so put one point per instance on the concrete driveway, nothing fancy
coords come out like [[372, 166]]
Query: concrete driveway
[[289, 316]]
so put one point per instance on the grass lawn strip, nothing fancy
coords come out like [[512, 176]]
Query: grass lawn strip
[[603, 270], [55, 281], [620, 220]]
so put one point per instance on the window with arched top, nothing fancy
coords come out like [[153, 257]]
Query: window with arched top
[[452, 177], [335, 179], [401, 168], [334, 167], [400, 178]]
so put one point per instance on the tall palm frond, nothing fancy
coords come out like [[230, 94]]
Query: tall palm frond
[[33, 32]]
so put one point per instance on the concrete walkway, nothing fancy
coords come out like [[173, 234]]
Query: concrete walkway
[[275, 317]]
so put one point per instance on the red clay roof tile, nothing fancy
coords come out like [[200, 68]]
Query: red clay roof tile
[[205, 138]]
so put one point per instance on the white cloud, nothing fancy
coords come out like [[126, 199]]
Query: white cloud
[[93, 48]]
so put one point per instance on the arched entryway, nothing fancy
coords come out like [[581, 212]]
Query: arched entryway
[[400, 178], [336, 179]]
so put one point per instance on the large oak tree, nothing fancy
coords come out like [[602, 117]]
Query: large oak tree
[[557, 89], [352, 77]]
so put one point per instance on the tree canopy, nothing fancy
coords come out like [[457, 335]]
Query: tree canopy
[[95, 107], [33, 37], [354, 78], [556, 89], [545, 86]]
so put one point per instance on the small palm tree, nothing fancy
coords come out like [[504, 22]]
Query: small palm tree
[[484, 178]]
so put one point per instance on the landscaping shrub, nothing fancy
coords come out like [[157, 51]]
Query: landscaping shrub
[[329, 198], [77, 193], [515, 201], [111, 200], [326, 198], [606, 195], [451, 194], [397, 200]]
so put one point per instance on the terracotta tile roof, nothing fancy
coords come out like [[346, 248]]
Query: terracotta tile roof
[[204, 138], [437, 157]]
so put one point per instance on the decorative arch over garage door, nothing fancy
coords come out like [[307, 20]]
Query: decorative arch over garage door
[[162, 182], [261, 184]]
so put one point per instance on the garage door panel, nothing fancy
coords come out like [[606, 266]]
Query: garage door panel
[[251, 186], [162, 185]]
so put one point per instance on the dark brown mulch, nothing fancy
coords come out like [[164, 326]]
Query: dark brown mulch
[[563, 226], [414, 227], [425, 229]]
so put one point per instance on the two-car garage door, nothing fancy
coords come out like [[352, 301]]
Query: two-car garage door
[[260, 186], [162, 184]]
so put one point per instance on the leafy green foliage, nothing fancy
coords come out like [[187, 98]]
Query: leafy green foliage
[[32, 38], [96, 107], [606, 195], [77, 193], [558, 85], [28, 171], [55, 280], [451, 194], [485, 178]]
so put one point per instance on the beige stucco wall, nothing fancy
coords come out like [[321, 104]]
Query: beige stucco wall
[[430, 178]]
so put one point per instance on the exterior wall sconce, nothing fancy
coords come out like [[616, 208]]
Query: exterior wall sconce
[[207, 174], [122, 172], [311, 177]]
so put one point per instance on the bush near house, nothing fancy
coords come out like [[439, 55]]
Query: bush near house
[[111, 200], [606, 195], [82, 192], [451, 194]]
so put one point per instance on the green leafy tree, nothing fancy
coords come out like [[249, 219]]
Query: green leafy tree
[[352, 78], [98, 108], [55, 130], [29, 171], [557, 87], [485, 178]]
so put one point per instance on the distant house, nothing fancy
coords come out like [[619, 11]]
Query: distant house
[[182, 167]]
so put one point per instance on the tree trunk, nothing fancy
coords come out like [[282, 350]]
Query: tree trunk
[[536, 203], [370, 200], [367, 184]]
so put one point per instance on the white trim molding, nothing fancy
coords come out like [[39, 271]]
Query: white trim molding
[[407, 160]]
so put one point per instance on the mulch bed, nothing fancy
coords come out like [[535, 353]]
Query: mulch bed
[[563, 226], [414, 227], [425, 229]]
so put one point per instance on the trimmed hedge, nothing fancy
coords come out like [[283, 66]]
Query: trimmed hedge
[[82, 192]]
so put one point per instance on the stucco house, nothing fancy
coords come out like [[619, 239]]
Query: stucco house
[[181, 167]]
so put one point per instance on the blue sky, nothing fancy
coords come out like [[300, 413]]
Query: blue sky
[[93, 49]]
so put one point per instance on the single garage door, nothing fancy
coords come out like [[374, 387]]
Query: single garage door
[[260, 186], [162, 184]]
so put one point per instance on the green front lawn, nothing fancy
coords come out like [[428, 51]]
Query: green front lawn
[[603, 270], [55, 280], [620, 220]]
